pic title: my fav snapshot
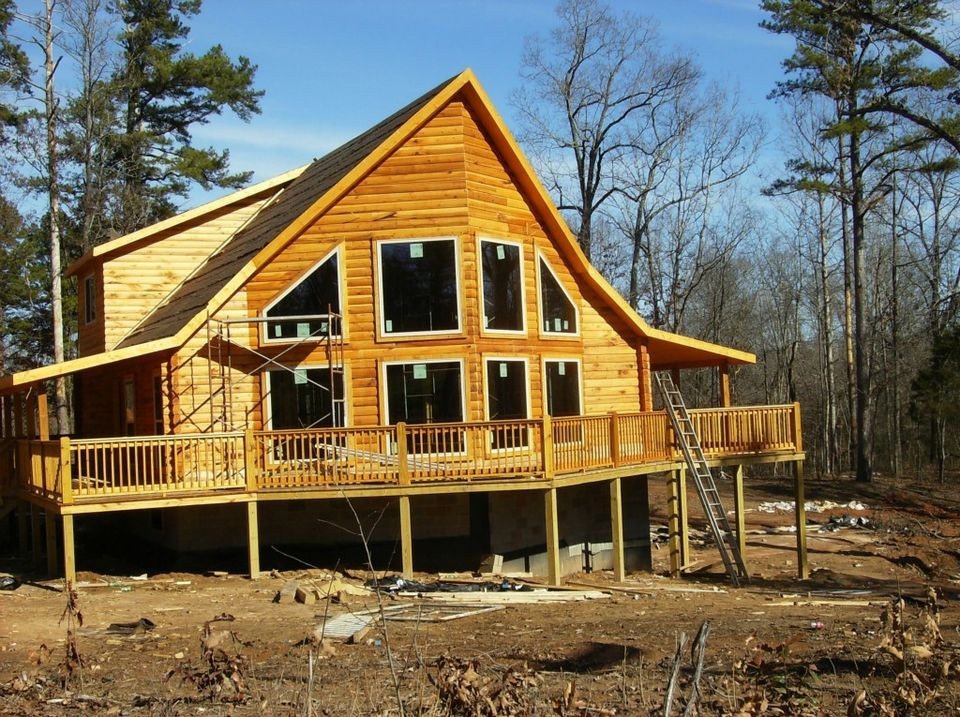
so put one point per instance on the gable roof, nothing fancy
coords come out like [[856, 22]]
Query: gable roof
[[319, 186], [314, 182]]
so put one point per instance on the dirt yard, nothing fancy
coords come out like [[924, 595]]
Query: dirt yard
[[875, 631]]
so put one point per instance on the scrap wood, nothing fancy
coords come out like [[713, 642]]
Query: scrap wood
[[821, 603], [512, 598], [419, 612], [614, 588], [544, 586]]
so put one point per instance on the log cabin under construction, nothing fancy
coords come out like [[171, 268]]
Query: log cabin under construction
[[406, 321]]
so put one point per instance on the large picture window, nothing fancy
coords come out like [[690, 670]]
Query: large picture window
[[507, 400], [429, 392], [316, 295], [418, 287], [557, 311], [502, 273], [562, 379], [302, 398]]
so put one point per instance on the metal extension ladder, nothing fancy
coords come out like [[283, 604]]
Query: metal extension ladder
[[689, 442]]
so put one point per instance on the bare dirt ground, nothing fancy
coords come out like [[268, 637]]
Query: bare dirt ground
[[874, 631]]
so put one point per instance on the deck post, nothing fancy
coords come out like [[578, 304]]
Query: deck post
[[43, 417], [615, 439], [673, 520], [69, 552], [723, 376], [553, 535], [250, 460], [616, 529], [803, 567], [406, 537], [738, 509], [548, 464], [797, 429], [403, 465], [18, 427], [66, 472], [50, 526], [253, 540]]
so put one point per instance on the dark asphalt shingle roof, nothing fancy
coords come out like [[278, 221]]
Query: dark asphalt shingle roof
[[195, 293]]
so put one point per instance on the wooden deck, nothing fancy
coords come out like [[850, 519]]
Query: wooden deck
[[91, 475]]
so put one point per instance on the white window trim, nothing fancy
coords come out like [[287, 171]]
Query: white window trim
[[385, 397], [265, 337], [382, 334], [486, 400], [89, 298], [562, 359], [268, 406], [523, 289], [576, 309]]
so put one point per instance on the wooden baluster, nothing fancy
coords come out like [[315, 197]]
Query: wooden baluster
[[401, 440]]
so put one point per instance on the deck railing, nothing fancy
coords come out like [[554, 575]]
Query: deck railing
[[156, 466]]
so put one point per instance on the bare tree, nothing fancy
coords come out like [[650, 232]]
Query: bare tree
[[583, 86]]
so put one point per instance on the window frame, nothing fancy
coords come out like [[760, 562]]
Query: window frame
[[542, 332], [486, 360], [522, 331], [265, 388], [89, 299], [382, 334], [546, 386], [265, 337], [385, 399]]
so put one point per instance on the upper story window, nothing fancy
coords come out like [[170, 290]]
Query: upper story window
[[89, 299], [419, 287], [304, 310], [557, 311], [501, 270], [562, 386]]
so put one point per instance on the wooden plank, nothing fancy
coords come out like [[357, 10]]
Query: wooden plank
[[253, 541], [673, 523], [739, 510], [69, 551]]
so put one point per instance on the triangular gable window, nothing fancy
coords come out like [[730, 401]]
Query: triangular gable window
[[557, 310], [310, 309]]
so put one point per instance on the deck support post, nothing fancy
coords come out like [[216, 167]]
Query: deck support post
[[738, 509], [35, 550], [683, 515], [406, 537], [50, 525], [43, 417], [69, 552], [803, 567], [616, 529], [553, 535], [673, 523], [253, 540]]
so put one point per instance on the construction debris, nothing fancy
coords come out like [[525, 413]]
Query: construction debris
[[811, 506]]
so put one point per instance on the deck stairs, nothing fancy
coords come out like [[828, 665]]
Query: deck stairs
[[689, 442]]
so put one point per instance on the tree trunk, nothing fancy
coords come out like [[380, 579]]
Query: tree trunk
[[847, 307], [863, 442]]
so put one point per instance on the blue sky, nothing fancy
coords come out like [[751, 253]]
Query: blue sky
[[332, 68]]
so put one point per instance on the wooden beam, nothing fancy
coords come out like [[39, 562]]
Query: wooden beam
[[406, 537], [800, 511], [30, 413], [616, 529], [552, 521], [69, 552], [50, 525], [253, 540], [738, 510]]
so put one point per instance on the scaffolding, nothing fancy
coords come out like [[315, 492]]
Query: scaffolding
[[221, 348]]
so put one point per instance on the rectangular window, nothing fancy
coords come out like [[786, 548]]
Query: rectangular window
[[419, 291], [507, 401], [310, 309], [89, 300], [301, 398], [557, 311], [502, 275], [428, 392], [562, 378]]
